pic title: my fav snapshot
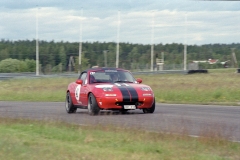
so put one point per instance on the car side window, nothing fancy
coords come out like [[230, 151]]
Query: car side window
[[83, 77]]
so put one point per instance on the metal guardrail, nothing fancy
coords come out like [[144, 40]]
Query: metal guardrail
[[5, 76], [162, 72]]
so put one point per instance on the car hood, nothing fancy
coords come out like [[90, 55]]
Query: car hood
[[117, 85]]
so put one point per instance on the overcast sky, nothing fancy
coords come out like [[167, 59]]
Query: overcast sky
[[133, 21]]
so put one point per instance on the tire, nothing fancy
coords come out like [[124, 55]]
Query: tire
[[70, 108], [93, 108], [150, 110]]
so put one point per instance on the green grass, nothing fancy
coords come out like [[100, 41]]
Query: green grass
[[216, 87], [25, 139], [40, 89]]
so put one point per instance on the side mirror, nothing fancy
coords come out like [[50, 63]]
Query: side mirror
[[79, 81], [139, 80]]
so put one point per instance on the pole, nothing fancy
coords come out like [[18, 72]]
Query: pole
[[185, 45], [152, 46], [117, 50], [37, 45], [234, 58], [105, 58], [163, 57], [80, 45]]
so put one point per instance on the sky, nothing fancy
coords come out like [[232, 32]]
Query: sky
[[190, 22]]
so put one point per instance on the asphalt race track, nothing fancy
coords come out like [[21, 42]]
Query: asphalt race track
[[194, 120]]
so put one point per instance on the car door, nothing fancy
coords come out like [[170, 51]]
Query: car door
[[84, 90], [79, 89]]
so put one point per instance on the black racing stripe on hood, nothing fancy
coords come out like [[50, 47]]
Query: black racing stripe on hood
[[129, 93], [133, 92], [125, 94]]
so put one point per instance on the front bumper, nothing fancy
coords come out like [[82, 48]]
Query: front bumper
[[115, 103]]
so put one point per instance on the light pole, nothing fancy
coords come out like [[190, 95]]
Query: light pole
[[105, 57], [80, 46], [37, 45], [152, 39], [185, 45], [234, 58], [117, 49]]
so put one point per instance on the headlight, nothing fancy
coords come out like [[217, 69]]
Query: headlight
[[145, 89], [107, 89]]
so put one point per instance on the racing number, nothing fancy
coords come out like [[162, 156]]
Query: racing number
[[77, 92], [78, 87]]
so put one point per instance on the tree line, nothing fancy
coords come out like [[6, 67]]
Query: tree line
[[63, 56]]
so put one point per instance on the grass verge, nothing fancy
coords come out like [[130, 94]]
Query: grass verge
[[25, 139], [216, 87]]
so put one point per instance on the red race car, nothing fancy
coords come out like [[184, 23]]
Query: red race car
[[108, 89]]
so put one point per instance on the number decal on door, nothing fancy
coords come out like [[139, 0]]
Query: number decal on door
[[77, 92]]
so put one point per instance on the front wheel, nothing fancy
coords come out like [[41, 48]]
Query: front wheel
[[70, 108], [151, 109], [93, 108]]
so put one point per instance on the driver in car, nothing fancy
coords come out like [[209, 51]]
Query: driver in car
[[114, 77]]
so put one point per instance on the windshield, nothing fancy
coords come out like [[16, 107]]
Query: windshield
[[111, 76]]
